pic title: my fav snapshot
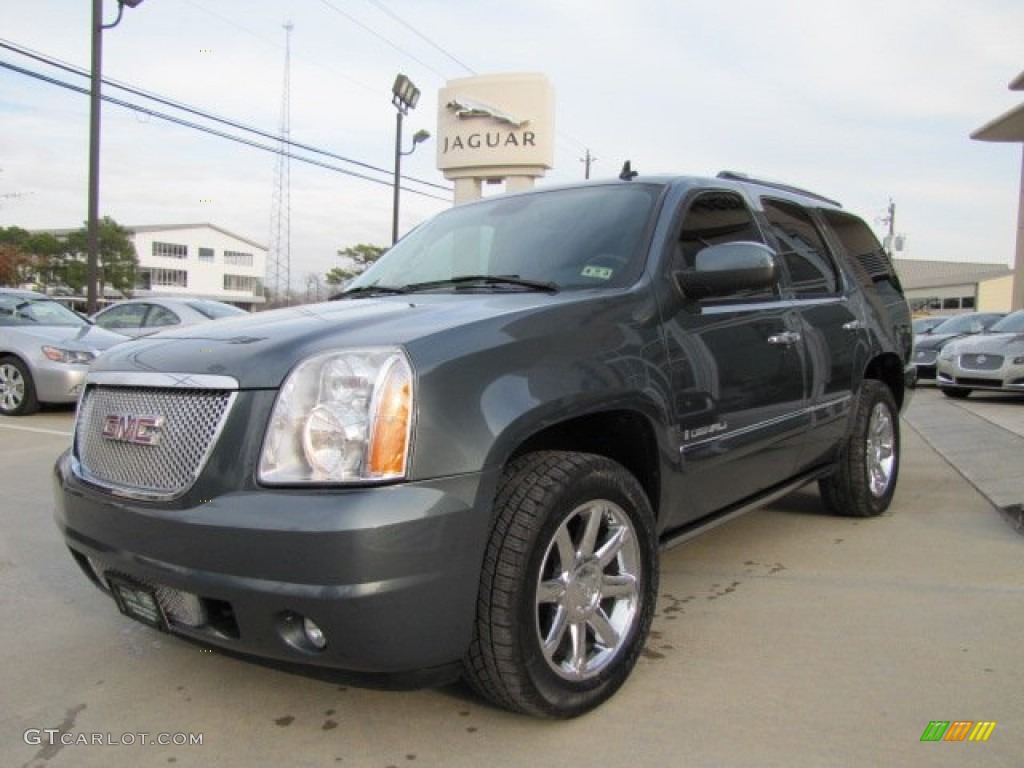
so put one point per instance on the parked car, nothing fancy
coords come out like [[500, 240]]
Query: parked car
[[141, 317], [992, 361], [927, 345], [45, 349], [925, 324], [469, 461]]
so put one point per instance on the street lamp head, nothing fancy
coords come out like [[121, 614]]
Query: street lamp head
[[130, 3], [419, 137], [404, 93]]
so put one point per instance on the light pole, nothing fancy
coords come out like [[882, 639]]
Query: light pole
[[404, 96], [93, 238]]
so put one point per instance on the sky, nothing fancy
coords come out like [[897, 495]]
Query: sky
[[864, 101]]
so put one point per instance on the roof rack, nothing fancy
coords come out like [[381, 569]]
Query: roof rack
[[736, 176]]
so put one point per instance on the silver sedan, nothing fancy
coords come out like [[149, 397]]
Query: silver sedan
[[141, 317], [991, 361], [45, 351]]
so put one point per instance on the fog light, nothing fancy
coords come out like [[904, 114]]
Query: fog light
[[314, 634]]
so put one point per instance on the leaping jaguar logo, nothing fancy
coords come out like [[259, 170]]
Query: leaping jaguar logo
[[464, 107]]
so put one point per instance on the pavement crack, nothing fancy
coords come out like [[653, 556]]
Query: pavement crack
[[49, 750]]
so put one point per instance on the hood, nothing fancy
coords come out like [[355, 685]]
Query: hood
[[260, 349], [90, 338], [1005, 344], [936, 340]]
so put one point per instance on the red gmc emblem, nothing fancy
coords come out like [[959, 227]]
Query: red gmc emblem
[[127, 428]]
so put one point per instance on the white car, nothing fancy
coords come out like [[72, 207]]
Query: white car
[[141, 317], [992, 361]]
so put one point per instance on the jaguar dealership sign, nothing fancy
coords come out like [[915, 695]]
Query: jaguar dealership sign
[[495, 127]]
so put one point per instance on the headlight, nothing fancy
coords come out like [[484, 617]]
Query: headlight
[[341, 417], [72, 356], [948, 353]]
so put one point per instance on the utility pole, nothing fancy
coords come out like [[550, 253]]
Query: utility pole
[[96, 80], [587, 161], [889, 219]]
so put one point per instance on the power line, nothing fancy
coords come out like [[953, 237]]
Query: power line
[[381, 37], [565, 137], [273, 44], [419, 34], [212, 131], [58, 64]]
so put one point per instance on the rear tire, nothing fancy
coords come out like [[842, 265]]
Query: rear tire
[[17, 392], [568, 586], [869, 464]]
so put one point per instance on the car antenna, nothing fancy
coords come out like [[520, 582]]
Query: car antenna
[[627, 173]]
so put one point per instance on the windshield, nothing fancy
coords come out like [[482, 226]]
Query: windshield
[[964, 323], [1012, 323], [215, 309], [584, 237], [35, 311], [924, 323]]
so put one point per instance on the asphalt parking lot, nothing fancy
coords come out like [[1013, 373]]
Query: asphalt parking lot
[[784, 638]]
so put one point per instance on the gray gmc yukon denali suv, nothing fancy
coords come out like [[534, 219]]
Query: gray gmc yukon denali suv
[[468, 461]]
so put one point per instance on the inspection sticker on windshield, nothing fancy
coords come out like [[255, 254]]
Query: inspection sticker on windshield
[[601, 273]]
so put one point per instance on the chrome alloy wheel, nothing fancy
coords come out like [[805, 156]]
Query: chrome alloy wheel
[[880, 446], [588, 590], [12, 387]]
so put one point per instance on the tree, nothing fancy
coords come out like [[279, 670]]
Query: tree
[[359, 257], [13, 258], [117, 262], [46, 255]]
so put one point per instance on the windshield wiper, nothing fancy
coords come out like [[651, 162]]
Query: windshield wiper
[[476, 281], [370, 290]]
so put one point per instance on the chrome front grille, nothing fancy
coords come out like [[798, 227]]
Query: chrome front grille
[[159, 463], [985, 362]]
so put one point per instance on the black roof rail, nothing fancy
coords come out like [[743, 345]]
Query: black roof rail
[[736, 176]]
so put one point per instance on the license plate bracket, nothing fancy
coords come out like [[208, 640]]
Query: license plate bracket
[[137, 601]]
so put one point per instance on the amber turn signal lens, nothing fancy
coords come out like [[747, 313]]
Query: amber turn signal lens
[[389, 442]]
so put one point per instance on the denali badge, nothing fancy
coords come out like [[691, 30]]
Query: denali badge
[[126, 428]]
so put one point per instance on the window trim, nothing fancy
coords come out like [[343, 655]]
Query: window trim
[[683, 208], [821, 229]]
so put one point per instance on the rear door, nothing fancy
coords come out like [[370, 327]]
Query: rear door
[[831, 331]]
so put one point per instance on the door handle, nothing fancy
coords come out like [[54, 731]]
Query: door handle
[[853, 325], [787, 338]]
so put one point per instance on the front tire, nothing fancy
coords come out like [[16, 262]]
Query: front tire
[[869, 463], [957, 393], [17, 392], [568, 586]]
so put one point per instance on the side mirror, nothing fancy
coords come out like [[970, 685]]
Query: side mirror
[[977, 327], [724, 269]]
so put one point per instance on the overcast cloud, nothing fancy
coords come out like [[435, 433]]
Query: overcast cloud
[[861, 100]]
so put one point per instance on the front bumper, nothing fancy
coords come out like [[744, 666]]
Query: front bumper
[[956, 372], [389, 574], [924, 360], [58, 382]]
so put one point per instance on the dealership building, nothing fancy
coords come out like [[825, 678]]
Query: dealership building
[[949, 287], [199, 260], [1009, 127], [192, 261]]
